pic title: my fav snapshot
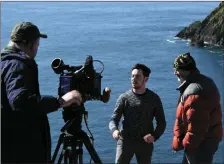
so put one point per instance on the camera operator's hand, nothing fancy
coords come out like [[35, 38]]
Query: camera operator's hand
[[72, 97], [116, 134]]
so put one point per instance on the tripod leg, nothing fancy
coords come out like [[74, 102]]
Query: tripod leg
[[61, 157], [67, 157], [79, 151], [90, 148], [81, 158], [65, 153], [74, 153], [60, 140]]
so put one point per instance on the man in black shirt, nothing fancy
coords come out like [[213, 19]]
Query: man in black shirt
[[139, 106]]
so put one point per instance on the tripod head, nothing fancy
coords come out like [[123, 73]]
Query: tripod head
[[73, 138]]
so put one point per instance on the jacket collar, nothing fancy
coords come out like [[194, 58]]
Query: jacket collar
[[191, 77], [15, 49], [15, 52]]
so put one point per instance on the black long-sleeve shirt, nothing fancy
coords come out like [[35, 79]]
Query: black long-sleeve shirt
[[138, 111]]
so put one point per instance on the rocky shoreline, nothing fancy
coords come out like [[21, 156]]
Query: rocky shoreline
[[210, 31]]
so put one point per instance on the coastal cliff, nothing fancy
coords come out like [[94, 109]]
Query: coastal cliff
[[209, 31]]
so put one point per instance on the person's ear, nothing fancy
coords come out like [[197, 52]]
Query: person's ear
[[30, 45], [146, 79], [25, 42]]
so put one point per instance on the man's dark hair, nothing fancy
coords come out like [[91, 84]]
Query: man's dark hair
[[146, 70]]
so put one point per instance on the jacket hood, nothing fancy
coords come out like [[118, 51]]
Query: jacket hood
[[12, 52]]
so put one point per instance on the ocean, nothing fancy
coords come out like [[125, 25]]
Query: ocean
[[119, 34]]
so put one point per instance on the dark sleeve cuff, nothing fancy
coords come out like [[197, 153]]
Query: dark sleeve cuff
[[49, 104], [155, 137], [59, 103]]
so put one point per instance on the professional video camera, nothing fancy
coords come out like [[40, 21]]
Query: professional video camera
[[82, 78], [87, 81]]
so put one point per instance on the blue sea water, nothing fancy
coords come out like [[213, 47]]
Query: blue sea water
[[119, 34]]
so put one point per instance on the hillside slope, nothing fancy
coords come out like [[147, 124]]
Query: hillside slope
[[209, 31]]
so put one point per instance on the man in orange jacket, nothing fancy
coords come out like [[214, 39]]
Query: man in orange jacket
[[198, 124]]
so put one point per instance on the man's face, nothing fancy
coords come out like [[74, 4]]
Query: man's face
[[181, 75], [137, 79], [33, 48]]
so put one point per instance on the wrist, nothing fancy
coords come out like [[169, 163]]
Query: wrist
[[114, 129], [155, 137], [60, 101]]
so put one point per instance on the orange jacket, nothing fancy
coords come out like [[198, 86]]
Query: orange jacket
[[198, 115]]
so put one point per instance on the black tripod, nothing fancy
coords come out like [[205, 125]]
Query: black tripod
[[73, 138]]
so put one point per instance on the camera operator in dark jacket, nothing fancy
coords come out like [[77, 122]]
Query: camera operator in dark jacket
[[25, 135]]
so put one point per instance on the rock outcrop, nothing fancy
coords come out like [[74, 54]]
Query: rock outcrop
[[210, 31]]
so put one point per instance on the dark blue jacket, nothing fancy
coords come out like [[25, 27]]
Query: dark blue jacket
[[25, 135]]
